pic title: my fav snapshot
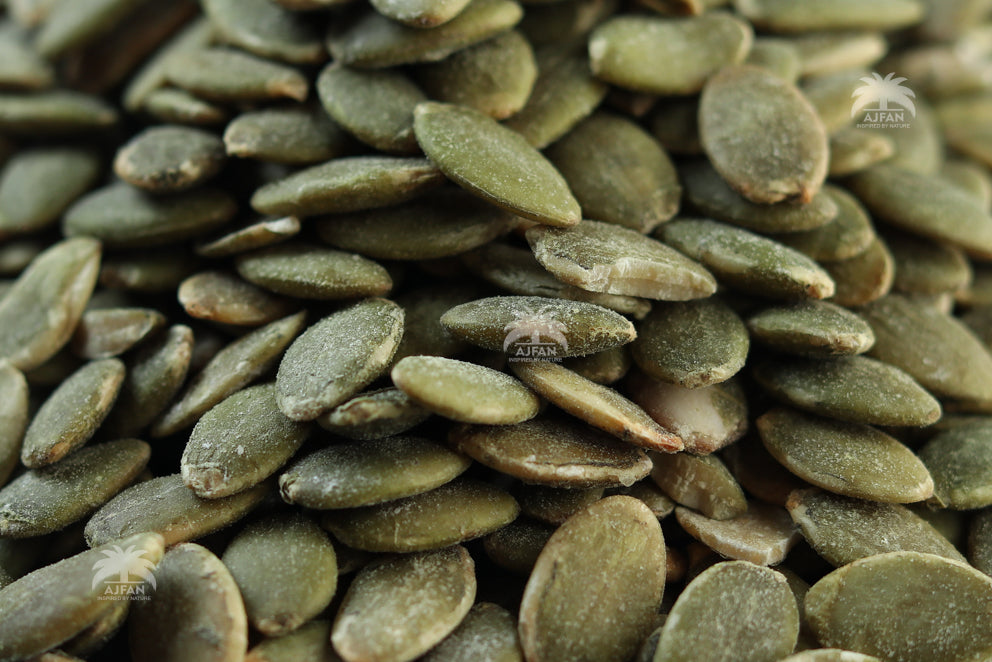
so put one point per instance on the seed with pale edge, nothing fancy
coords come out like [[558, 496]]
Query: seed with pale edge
[[36, 186], [863, 278], [374, 415], [306, 271], [221, 297], [420, 13], [166, 159], [488, 632], [310, 642], [108, 332], [554, 505], [516, 546], [960, 461], [264, 29], [763, 535], [810, 15], [14, 417], [817, 329], [286, 135], [256, 235], [229, 75], [701, 482]]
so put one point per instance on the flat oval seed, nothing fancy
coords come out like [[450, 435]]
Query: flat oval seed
[[56, 112], [753, 605], [250, 237], [602, 257], [851, 388], [853, 150], [374, 414], [597, 405], [36, 186], [265, 29], [422, 330], [613, 550], [294, 135], [363, 474], [108, 332], [554, 505], [516, 546], [692, 344], [21, 67], [554, 452], [763, 535], [14, 417], [619, 172], [72, 413], [810, 15], [927, 267], [748, 262], [122, 216], [817, 329], [239, 443], [944, 625], [166, 159], [71, 26], [165, 505], [181, 107], [420, 13], [373, 40], [221, 297], [40, 311], [310, 272], [494, 163], [437, 225], [320, 371], [455, 512], [960, 461], [502, 324], [232, 368], [49, 606], [625, 49], [863, 278], [347, 184], [843, 530], [41, 501], [286, 571], [787, 153], [848, 235], [606, 367], [374, 106], [712, 196], [228, 75], [488, 632], [701, 482], [463, 391], [847, 458], [196, 612], [779, 56], [400, 608], [311, 642]]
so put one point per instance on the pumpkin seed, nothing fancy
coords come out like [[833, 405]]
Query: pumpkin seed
[[402, 607], [352, 475], [516, 546], [829, 53], [421, 13], [374, 415], [960, 460], [592, 552], [148, 272], [652, 496], [494, 163], [67, 27], [675, 124], [265, 30], [13, 417], [554, 505], [165, 505], [850, 233], [604, 367], [195, 614], [831, 94], [228, 75], [759, 473], [843, 530], [165, 159], [552, 24], [778, 56], [311, 272], [310, 642], [109, 332], [36, 186], [816, 329], [222, 297], [701, 482], [21, 67], [809, 15], [423, 333], [256, 235], [55, 112], [863, 278], [852, 150], [72, 413], [319, 371], [762, 535], [920, 146], [488, 632], [177, 106], [99, 633], [553, 451], [294, 135], [969, 176], [944, 626]]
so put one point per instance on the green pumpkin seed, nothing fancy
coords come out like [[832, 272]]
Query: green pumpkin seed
[[73, 412], [353, 475], [404, 606], [165, 505], [863, 278], [831, 96], [286, 571], [347, 184], [96, 636], [787, 163], [239, 443], [706, 419], [250, 237], [487, 632], [310, 642], [843, 530], [675, 123], [51, 605], [152, 77], [553, 23], [853, 150], [374, 415], [553, 451], [597, 405], [166, 159], [13, 417], [614, 545], [970, 176], [961, 118], [494, 77], [36, 186], [817, 329], [619, 172], [149, 272], [778, 56], [754, 606], [463, 391], [177, 106], [849, 388], [850, 233], [373, 40], [554, 505], [448, 222], [701, 482], [895, 593], [759, 473], [69, 26], [625, 49], [959, 460], [221, 297], [647, 491], [228, 75], [919, 147], [980, 542], [845, 458], [21, 67], [423, 333], [295, 135], [374, 106], [829, 53], [196, 612], [494, 163], [809, 15], [516, 546], [421, 13], [44, 500], [763, 535], [265, 30], [455, 512], [310, 272], [40, 311], [604, 367], [319, 371], [56, 112], [109, 332]]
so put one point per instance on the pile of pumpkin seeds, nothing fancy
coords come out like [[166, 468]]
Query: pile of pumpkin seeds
[[493, 330]]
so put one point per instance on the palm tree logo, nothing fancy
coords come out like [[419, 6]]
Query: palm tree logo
[[882, 91], [535, 325], [124, 563]]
